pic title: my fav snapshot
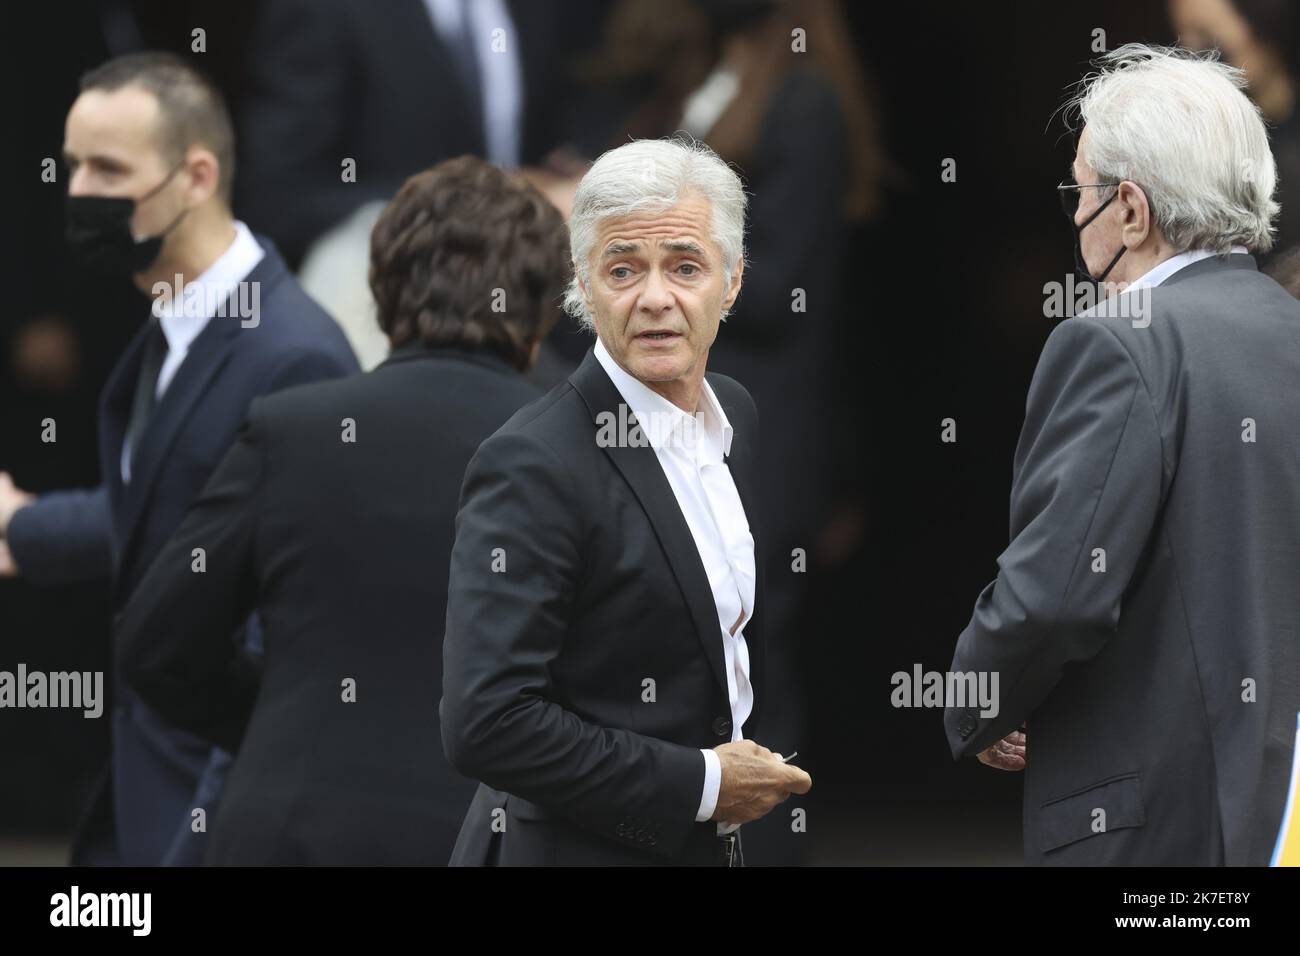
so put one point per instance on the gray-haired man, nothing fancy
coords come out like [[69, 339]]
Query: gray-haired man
[[1144, 616], [603, 653]]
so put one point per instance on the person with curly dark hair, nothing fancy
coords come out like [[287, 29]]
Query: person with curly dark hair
[[453, 232], [333, 516]]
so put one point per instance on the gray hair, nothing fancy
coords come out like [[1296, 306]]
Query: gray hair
[[1178, 124], [653, 175]]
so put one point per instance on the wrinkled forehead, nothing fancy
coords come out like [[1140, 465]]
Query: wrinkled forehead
[[687, 226]]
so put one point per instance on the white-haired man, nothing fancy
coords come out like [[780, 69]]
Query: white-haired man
[[1144, 617], [603, 652]]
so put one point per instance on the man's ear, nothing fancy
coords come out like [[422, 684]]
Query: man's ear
[[733, 290], [1137, 214], [205, 174]]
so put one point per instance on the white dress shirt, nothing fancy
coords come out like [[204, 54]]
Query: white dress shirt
[[184, 317], [1164, 270], [691, 451]]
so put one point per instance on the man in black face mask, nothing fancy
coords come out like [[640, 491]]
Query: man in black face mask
[[1109, 217], [150, 157], [1143, 614], [1071, 209], [100, 234]]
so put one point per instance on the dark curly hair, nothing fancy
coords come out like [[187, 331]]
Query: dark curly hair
[[469, 255]]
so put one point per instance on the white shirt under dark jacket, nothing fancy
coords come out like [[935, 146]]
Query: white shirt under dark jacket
[[182, 324], [691, 452]]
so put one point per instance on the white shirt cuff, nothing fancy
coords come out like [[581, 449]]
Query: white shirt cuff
[[712, 784]]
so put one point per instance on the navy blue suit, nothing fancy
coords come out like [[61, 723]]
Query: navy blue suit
[[158, 774]]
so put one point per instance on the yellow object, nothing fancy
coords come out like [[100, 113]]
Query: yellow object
[[1287, 851]]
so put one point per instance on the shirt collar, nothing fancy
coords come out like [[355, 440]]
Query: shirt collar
[[184, 315], [1182, 260], [662, 422]]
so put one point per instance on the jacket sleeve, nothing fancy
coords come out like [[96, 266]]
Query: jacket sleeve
[[174, 636], [1088, 483], [64, 537], [501, 722]]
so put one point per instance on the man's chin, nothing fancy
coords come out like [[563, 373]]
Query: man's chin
[[659, 368]]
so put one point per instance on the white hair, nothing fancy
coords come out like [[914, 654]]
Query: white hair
[[651, 175], [1177, 123]]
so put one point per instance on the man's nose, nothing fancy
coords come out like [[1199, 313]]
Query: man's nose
[[79, 184], [655, 295]]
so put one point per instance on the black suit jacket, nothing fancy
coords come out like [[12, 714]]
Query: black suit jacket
[[373, 82], [547, 656], [1143, 619], [159, 773], [343, 549]]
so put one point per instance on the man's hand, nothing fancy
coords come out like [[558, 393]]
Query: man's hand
[[8, 569], [11, 499], [1008, 753], [754, 780]]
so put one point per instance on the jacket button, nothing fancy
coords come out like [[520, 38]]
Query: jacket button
[[967, 725], [722, 726]]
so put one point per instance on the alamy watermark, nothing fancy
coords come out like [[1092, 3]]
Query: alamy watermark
[[75, 908], [241, 300], [628, 429], [946, 689], [78, 690], [1102, 300]]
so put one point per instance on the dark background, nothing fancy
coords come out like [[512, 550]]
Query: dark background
[[942, 317]]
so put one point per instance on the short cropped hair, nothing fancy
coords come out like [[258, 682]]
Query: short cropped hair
[[1178, 124], [469, 255], [191, 106], [653, 175]]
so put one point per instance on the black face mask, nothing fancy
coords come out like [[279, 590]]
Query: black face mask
[[1080, 265], [98, 232]]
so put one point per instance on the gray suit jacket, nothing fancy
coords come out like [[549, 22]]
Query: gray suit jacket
[[479, 841], [1144, 620]]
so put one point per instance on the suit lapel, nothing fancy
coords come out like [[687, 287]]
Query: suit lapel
[[640, 467], [740, 462], [206, 357], [114, 412], [741, 467]]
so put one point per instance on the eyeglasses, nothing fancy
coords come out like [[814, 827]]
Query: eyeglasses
[[1069, 195]]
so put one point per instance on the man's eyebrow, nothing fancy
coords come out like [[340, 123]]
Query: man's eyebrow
[[102, 159], [620, 248], [684, 245]]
